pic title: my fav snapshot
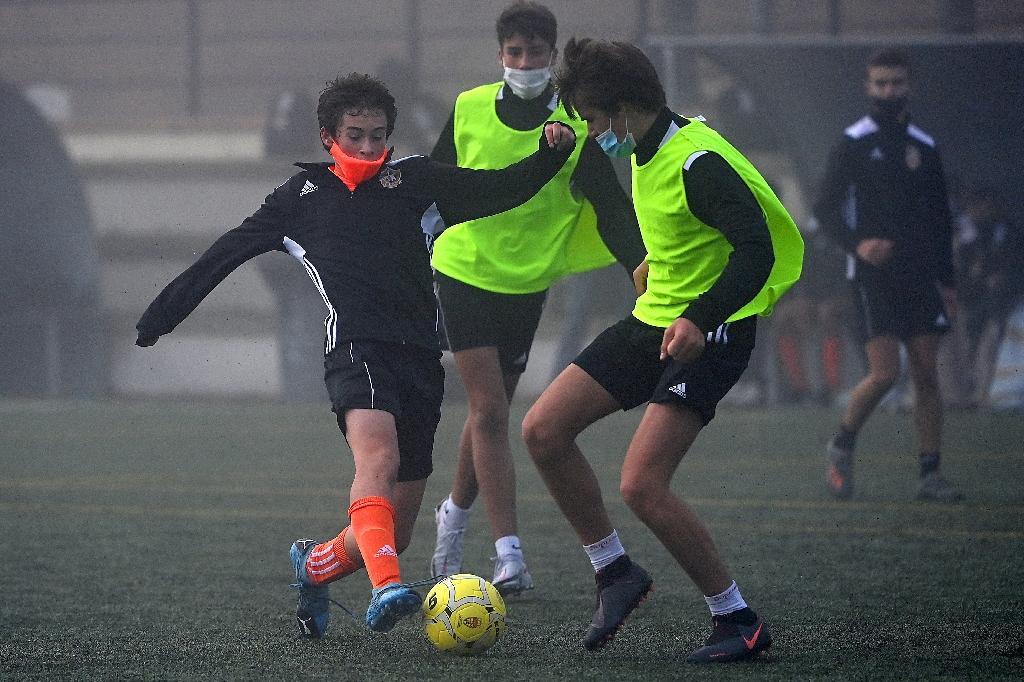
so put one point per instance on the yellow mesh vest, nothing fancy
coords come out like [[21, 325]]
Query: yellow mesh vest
[[525, 249], [686, 256]]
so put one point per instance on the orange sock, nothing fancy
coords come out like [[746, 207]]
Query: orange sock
[[373, 522], [832, 360], [792, 363], [329, 561]]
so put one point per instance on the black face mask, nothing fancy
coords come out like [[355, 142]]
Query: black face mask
[[887, 110]]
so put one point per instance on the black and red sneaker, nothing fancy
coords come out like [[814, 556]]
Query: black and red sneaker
[[621, 587], [737, 636]]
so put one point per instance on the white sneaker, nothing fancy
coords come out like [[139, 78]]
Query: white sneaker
[[447, 559], [511, 576]]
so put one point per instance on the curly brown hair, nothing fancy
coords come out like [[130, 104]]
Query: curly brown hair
[[354, 92]]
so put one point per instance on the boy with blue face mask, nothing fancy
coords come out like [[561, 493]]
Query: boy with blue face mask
[[492, 275], [721, 250]]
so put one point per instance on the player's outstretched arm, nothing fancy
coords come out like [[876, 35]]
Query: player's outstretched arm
[[260, 233], [464, 194]]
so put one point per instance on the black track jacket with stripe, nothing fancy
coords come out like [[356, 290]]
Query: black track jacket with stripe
[[367, 251], [886, 180]]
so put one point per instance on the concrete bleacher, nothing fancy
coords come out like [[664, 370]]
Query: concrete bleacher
[[130, 64], [150, 63], [152, 220]]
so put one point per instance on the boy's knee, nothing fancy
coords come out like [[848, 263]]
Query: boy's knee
[[639, 495], [540, 436]]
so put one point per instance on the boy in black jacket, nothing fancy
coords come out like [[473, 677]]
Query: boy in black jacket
[[884, 201], [360, 228]]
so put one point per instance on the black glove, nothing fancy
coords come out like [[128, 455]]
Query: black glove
[[145, 340]]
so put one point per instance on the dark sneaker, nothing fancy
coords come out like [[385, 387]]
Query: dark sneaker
[[732, 641], [313, 611], [389, 604], [619, 591], [934, 487], [839, 472]]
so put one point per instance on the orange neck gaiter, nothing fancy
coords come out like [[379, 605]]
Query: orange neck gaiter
[[353, 171]]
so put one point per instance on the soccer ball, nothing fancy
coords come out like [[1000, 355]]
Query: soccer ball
[[463, 614]]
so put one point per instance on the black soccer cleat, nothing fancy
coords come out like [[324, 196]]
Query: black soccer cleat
[[621, 587], [732, 640]]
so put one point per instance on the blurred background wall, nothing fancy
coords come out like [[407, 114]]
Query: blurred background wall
[[178, 116]]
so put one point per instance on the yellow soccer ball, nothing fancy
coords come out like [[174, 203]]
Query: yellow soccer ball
[[463, 614]]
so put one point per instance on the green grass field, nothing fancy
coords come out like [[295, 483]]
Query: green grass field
[[149, 541]]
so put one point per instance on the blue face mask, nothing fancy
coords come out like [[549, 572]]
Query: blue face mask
[[610, 142]]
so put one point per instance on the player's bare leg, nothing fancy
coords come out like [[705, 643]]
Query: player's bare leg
[[386, 513], [452, 514], [373, 437], [665, 434], [464, 486], [573, 402], [488, 428], [883, 370], [485, 466], [883, 354], [923, 354], [408, 497], [663, 438]]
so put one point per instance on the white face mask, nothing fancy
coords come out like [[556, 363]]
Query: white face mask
[[527, 83]]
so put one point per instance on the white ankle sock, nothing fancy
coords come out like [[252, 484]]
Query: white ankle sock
[[509, 547], [604, 552], [453, 516], [728, 601]]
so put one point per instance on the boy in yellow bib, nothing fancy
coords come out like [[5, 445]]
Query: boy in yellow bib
[[493, 274], [721, 249]]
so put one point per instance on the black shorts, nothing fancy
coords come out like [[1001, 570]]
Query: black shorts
[[406, 381], [474, 318], [624, 360], [903, 310]]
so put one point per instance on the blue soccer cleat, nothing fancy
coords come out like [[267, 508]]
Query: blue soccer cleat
[[390, 604], [313, 611]]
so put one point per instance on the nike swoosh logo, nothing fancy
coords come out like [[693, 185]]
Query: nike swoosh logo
[[752, 642]]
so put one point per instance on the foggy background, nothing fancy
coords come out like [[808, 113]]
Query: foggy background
[[156, 125]]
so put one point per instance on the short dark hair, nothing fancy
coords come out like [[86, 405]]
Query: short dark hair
[[354, 92], [606, 75], [890, 57], [528, 19]]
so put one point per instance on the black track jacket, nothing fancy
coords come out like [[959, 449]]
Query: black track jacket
[[886, 180], [367, 251]]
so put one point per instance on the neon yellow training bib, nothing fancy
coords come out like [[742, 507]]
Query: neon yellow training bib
[[686, 256], [525, 249]]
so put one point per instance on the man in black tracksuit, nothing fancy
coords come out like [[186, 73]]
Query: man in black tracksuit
[[884, 200], [357, 227]]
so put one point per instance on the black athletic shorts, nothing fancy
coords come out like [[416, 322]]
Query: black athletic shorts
[[406, 381], [903, 310], [624, 360], [474, 318]]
